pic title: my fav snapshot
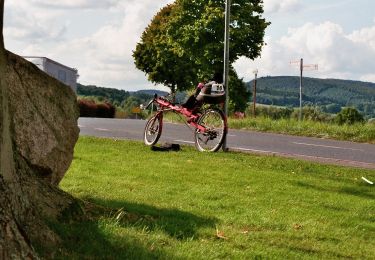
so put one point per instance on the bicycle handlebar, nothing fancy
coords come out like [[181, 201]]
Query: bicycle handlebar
[[151, 101]]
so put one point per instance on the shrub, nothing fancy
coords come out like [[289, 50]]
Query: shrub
[[89, 108], [271, 112], [349, 115], [105, 110], [312, 113]]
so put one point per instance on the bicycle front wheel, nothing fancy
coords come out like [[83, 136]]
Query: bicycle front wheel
[[211, 139], [153, 130]]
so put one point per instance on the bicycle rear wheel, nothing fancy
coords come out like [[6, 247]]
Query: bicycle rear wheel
[[212, 139], [153, 129]]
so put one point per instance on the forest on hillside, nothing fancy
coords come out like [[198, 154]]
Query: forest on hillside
[[116, 96], [328, 94], [120, 103]]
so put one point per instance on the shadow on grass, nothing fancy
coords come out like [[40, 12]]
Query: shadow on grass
[[360, 191], [173, 222], [108, 234], [311, 249], [88, 240]]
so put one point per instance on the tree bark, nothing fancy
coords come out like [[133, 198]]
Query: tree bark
[[29, 195], [1, 24]]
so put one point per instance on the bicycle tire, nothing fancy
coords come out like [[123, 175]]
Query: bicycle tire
[[153, 130], [211, 140]]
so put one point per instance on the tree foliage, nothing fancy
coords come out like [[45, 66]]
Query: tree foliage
[[110, 94], [91, 108], [156, 57], [330, 94], [349, 115], [239, 96], [197, 30], [184, 42]]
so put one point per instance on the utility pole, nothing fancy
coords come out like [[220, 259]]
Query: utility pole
[[302, 66], [255, 92], [300, 89], [226, 63]]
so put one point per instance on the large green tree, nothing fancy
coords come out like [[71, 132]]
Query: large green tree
[[185, 41], [239, 96], [197, 30], [155, 56]]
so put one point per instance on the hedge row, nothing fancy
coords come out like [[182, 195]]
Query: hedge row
[[347, 115], [89, 108]]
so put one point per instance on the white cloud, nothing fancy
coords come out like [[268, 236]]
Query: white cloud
[[27, 23], [106, 55], [23, 26], [365, 36], [103, 57], [338, 55], [75, 4], [276, 6], [368, 78]]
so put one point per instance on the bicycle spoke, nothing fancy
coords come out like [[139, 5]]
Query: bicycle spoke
[[212, 138], [153, 130]]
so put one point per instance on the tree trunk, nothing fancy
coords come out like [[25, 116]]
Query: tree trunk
[[38, 130]]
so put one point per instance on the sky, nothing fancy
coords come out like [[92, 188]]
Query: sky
[[98, 37]]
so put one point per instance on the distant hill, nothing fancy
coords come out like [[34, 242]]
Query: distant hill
[[110, 94], [115, 95], [330, 94], [152, 92]]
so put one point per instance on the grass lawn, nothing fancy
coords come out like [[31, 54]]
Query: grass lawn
[[364, 133], [358, 132], [192, 205]]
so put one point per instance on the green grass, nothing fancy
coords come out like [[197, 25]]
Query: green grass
[[356, 133], [192, 205], [364, 133]]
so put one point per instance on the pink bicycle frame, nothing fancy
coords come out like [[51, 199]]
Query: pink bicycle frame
[[192, 118]]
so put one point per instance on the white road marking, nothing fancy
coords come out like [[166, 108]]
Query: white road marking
[[328, 146], [102, 129], [252, 150], [183, 141], [231, 135], [81, 126]]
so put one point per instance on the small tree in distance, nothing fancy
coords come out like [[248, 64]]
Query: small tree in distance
[[349, 115]]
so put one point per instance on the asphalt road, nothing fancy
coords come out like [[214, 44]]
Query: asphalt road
[[313, 149]]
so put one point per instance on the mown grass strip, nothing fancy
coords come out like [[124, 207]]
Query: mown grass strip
[[355, 133], [192, 205], [364, 133]]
